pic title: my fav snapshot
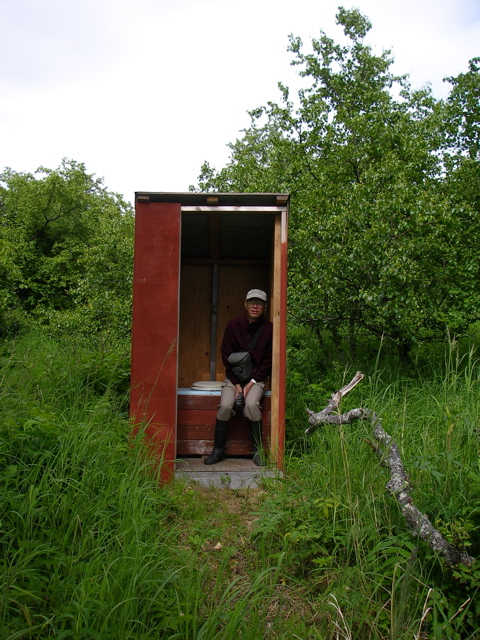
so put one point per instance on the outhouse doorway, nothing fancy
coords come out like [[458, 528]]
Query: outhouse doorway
[[196, 256]]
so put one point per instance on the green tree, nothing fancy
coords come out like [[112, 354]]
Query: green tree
[[461, 142], [376, 248], [56, 226], [462, 114]]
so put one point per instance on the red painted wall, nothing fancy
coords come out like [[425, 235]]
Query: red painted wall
[[153, 402]]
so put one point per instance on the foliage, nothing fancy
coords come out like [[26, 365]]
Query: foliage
[[91, 547], [67, 246], [384, 184], [339, 531]]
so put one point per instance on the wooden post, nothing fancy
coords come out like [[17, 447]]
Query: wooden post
[[279, 316]]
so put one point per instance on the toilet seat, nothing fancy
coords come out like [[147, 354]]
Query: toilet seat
[[207, 385]]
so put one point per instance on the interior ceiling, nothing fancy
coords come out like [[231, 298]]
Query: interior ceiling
[[227, 235]]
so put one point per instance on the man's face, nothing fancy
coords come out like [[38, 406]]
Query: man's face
[[255, 309]]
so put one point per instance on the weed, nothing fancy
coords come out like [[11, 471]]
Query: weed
[[92, 547]]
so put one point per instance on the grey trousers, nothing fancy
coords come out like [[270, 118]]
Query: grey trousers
[[252, 409]]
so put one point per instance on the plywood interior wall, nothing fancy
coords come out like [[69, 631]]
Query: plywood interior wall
[[194, 323], [233, 283], [196, 282]]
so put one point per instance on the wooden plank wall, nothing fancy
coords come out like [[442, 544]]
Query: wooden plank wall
[[233, 283], [196, 425], [195, 323], [234, 280]]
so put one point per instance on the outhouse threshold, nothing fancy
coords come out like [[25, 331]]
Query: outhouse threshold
[[230, 473]]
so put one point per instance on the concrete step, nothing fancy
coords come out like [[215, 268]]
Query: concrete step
[[231, 473]]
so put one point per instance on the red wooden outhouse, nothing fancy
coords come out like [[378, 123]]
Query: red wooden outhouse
[[196, 256]]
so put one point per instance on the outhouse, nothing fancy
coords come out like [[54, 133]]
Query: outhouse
[[196, 255]]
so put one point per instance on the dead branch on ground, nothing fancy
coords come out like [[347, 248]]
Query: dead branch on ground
[[399, 484]]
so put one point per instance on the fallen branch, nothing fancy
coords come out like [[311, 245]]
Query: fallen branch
[[399, 484]]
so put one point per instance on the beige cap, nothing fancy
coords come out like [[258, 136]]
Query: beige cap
[[256, 293]]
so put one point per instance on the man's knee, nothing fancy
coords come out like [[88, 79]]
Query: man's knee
[[225, 412], [253, 411]]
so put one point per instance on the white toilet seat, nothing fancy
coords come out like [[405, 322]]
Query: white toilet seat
[[207, 385]]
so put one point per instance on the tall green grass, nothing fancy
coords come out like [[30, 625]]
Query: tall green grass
[[345, 537], [89, 541], [93, 547]]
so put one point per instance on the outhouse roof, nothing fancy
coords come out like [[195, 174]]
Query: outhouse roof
[[234, 200], [225, 226]]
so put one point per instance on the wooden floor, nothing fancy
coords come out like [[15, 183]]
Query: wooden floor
[[231, 473]]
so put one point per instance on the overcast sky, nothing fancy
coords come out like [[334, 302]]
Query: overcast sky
[[143, 91]]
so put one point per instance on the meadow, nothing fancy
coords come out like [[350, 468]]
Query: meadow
[[94, 548]]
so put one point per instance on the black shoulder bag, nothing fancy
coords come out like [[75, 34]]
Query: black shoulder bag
[[241, 361]]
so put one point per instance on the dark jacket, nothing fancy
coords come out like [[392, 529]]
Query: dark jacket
[[238, 336]]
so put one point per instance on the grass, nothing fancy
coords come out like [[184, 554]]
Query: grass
[[92, 547]]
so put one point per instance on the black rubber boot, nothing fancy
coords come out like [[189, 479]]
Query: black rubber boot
[[258, 453], [221, 433]]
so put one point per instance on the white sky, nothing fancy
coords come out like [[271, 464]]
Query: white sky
[[143, 91]]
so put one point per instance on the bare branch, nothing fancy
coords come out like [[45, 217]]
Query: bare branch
[[398, 485], [324, 416]]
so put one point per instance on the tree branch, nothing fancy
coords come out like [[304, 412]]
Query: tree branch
[[398, 485]]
